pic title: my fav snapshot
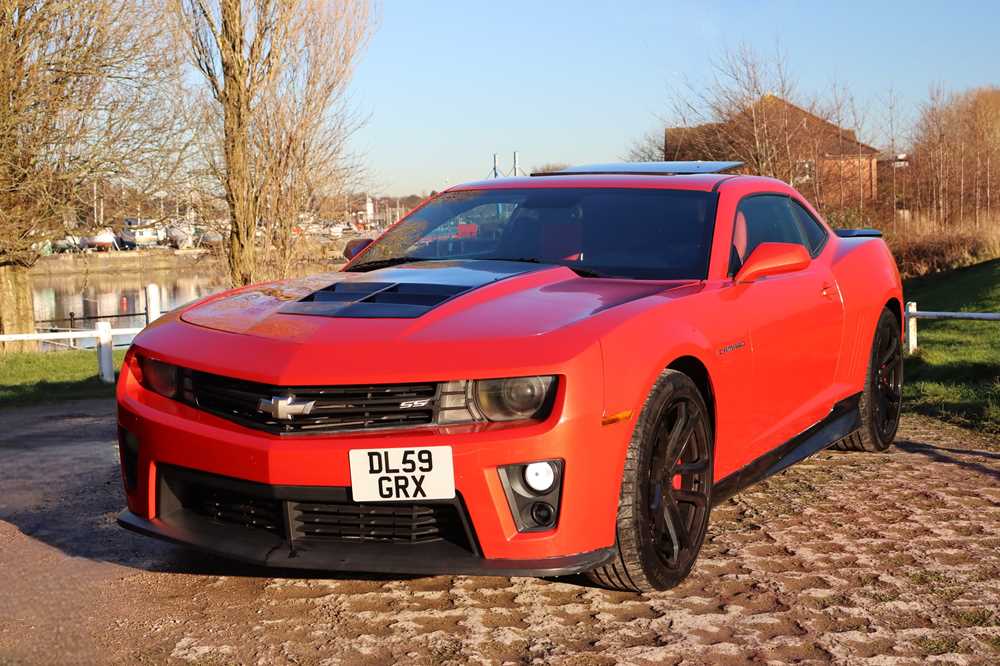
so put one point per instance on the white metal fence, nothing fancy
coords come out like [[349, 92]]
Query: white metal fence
[[913, 314], [104, 334]]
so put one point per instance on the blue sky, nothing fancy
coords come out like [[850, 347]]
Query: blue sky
[[445, 84]]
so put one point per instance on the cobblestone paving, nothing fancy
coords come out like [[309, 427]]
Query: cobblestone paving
[[847, 558]]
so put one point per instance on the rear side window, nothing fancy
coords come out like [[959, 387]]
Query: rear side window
[[760, 219], [814, 232]]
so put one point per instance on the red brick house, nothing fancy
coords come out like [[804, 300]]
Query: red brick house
[[777, 138]]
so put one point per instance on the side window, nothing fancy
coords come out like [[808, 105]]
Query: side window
[[814, 232], [764, 218]]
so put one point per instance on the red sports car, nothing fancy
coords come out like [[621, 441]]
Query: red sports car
[[546, 375]]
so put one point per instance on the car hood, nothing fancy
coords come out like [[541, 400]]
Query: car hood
[[422, 301]]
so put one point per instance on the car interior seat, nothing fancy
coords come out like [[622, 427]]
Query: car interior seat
[[738, 253]]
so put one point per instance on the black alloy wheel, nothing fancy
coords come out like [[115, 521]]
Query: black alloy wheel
[[887, 393], [882, 399], [666, 493], [678, 483]]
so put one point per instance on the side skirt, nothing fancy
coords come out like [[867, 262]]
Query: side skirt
[[843, 420]]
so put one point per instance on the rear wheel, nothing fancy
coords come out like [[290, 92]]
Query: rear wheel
[[882, 398], [666, 490]]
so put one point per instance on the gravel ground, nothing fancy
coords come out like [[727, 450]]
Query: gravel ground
[[849, 558]]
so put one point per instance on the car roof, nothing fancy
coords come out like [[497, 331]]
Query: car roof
[[706, 182]]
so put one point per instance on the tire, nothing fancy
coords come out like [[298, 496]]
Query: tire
[[661, 526], [881, 399]]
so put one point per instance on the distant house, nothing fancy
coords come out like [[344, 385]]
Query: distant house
[[142, 232], [825, 161]]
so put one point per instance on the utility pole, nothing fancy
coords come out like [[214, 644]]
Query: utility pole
[[515, 164], [495, 171]]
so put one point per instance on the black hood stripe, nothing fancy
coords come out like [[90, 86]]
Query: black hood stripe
[[403, 292]]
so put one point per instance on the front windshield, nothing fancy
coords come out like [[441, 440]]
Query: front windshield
[[629, 233]]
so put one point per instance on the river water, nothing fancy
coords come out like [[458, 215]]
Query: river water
[[65, 301]]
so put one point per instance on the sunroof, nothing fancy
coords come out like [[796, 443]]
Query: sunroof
[[644, 168]]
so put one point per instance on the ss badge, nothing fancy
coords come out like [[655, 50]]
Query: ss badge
[[411, 404]]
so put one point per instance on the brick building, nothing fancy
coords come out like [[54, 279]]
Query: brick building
[[775, 137]]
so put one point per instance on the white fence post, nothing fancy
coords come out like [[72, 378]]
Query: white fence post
[[105, 359], [152, 303], [911, 327]]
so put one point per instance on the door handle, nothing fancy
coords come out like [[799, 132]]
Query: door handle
[[829, 290]]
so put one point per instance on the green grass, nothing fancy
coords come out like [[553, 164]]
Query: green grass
[[955, 374], [33, 377]]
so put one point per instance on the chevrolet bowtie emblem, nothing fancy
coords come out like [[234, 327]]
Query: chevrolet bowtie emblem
[[284, 408]]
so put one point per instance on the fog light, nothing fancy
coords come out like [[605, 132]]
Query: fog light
[[539, 476], [533, 492], [542, 513]]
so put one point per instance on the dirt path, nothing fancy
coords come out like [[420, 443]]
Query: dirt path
[[847, 558]]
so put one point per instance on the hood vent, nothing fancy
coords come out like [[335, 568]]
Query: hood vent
[[350, 298]]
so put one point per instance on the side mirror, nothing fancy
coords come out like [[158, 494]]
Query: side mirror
[[773, 259], [354, 247]]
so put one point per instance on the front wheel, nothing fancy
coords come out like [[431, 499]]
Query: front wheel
[[666, 490]]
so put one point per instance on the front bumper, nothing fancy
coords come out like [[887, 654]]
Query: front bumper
[[235, 543], [172, 435], [272, 526]]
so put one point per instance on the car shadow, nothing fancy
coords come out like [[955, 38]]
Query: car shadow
[[79, 519], [38, 393], [950, 456]]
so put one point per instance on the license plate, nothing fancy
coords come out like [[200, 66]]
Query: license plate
[[393, 475]]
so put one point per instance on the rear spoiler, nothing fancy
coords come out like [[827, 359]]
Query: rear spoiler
[[858, 233]]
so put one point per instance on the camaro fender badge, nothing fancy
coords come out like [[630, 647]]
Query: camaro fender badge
[[739, 344], [413, 404], [285, 407]]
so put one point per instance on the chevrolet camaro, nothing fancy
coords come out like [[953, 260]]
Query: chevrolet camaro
[[546, 375]]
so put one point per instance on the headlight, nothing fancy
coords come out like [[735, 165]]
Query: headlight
[[513, 398], [159, 376]]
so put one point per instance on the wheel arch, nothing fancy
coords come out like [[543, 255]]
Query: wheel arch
[[869, 283], [895, 307], [698, 372]]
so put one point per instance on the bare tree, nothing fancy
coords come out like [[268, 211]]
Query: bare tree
[[956, 141], [277, 72], [735, 116], [550, 167], [891, 120], [305, 123], [647, 148], [79, 82]]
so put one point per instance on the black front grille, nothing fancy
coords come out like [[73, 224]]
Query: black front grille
[[400, 523], [334, 408], [307, 515], [235, 508]]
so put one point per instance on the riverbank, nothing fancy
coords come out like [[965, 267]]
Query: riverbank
[[312, 258], [135, 261]]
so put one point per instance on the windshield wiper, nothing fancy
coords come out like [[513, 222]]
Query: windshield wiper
[[579, 270], [383, 263], [585, 272]]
